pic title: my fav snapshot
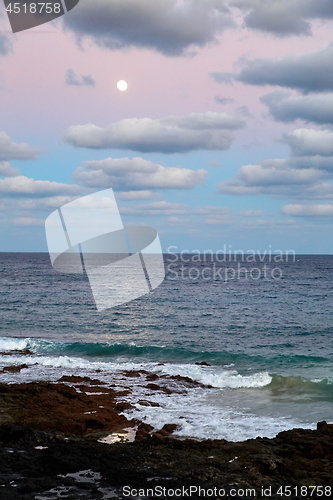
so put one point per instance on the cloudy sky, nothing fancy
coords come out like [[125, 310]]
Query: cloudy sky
[[224, 136]]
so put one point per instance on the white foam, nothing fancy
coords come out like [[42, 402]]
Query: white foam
[[205, 415], [12, 344], [214, 376], [221, 378]]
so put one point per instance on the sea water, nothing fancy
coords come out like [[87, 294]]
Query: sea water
[[267, 340]]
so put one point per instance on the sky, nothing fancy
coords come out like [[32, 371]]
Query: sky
[[223, 139]]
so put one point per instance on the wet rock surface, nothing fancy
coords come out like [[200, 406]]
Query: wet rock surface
[[49, 448], [33, 463]]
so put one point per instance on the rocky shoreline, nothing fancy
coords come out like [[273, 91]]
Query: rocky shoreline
[[55, 443]]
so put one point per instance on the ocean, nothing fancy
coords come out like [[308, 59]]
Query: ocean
[[266, 335]]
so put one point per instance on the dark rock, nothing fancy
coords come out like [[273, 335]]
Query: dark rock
[[55, 431], [23, 352], [148, 403]]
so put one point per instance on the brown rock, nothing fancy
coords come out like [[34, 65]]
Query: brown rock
[[170, 427], [158, 435], [155, 387], [14, 368], [143, 431], [58, 407]]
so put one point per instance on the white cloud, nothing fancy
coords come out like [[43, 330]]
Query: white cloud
[[175, 221], [276, 172], [43, 204], [308, 210], [173, 134], [250, 213], [10, 150], [24, 186], [269, 225], [124, 174], [215, 164], [155, 208], [6, 170], [278, 178], [135, 195], [215, 215], [309, 142]]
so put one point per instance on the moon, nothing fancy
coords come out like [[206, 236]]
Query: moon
[[122, 85]]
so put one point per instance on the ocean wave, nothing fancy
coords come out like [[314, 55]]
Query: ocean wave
[[236, 381], [153, 352], [302, 385], [213, 376], [219, 377]]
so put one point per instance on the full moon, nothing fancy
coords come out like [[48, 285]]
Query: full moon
[[122, 85]]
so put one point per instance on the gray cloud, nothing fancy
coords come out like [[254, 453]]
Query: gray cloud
[[5, 45], [223, 100], [10, 150], [124, 174], [311, 72], [316, 109], [222, 77], [284, 17], [317, 161], [173, 134], [73, 79], [244, 111], [167, 26]]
